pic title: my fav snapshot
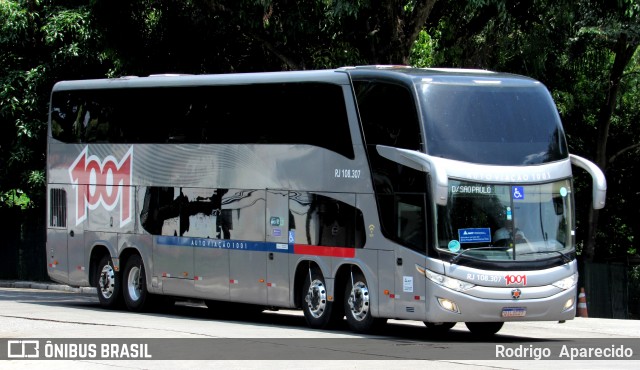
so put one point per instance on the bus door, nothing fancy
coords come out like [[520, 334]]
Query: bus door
[[211, 263], [410, 284], [78, 272], [279, 247], [61, 231], [247, 247], [173, 253]]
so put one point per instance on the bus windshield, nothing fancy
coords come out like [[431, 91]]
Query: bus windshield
[[506, 222], [492, 124]]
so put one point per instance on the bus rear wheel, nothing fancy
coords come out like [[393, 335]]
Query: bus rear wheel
[[315, 303], [484, 329], [136, 296], [108, 284]]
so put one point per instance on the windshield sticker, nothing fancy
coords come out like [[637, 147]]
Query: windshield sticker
[[471, 189], [509, 216], [476, 235], [454, 246], [517, 192], [563, 192]]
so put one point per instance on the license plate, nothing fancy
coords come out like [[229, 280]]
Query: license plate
[[514, 312]]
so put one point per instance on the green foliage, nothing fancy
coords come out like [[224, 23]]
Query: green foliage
[[570, 46], [15, 198], [632, 10], [196, 36], [341, 8], [14, 24], [422, 53], [40, 42], [66, 32]]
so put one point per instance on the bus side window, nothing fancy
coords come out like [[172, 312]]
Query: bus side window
[[389, 115], [325, 221]]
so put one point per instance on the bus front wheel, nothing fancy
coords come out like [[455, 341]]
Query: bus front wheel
[[439, 327], [136, 295], [484, 328], [357, 305], [108, 284]]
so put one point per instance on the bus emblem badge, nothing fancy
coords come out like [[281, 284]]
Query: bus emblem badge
[[516, 293]]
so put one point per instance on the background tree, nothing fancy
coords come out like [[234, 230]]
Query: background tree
[[207, 36], [40, 42], [609, 32], [583, 52]]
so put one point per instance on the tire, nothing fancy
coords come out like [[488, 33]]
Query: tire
[[108, 284], [439, 328], [357, 306], [315, 304], [136, 296], [484, 329]]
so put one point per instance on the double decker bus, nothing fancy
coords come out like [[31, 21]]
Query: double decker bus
[[371, 193]]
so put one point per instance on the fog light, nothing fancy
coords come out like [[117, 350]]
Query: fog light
[[568, 304], [448, 305]]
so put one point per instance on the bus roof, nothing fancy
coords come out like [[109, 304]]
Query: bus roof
[[411, 75], [406, 74], [174, 80]]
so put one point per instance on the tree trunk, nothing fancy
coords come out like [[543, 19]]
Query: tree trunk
[[624, 50], [397, 29]]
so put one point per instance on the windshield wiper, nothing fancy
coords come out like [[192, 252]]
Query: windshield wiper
[[565, 258], [457, 256]]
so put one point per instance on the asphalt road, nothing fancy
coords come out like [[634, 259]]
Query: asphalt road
[[68, 324]]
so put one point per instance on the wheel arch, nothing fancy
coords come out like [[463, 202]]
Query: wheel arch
[[126, 253], [302, 271], [343, 275], [98, 251], [336, 284]]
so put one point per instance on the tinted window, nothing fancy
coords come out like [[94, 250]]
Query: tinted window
[[492, 124], [293, 113], [388, 114], [389, 117], [403, 219], [204, 213], [323, 221]]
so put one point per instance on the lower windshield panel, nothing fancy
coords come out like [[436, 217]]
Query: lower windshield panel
[[506, 222]]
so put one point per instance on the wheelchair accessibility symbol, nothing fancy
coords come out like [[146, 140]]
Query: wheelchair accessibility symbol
[[517, 192]]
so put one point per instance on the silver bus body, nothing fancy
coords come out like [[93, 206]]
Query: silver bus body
[[247, 222]]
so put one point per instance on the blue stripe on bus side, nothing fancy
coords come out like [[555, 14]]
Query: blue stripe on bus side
[[243, 245]]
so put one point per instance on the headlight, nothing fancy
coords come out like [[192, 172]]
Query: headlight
[[566, 283], [445, 281]]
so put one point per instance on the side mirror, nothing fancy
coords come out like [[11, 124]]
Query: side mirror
[[599, 181], [421, 162]]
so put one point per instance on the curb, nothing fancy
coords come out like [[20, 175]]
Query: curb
[[47, 286]]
